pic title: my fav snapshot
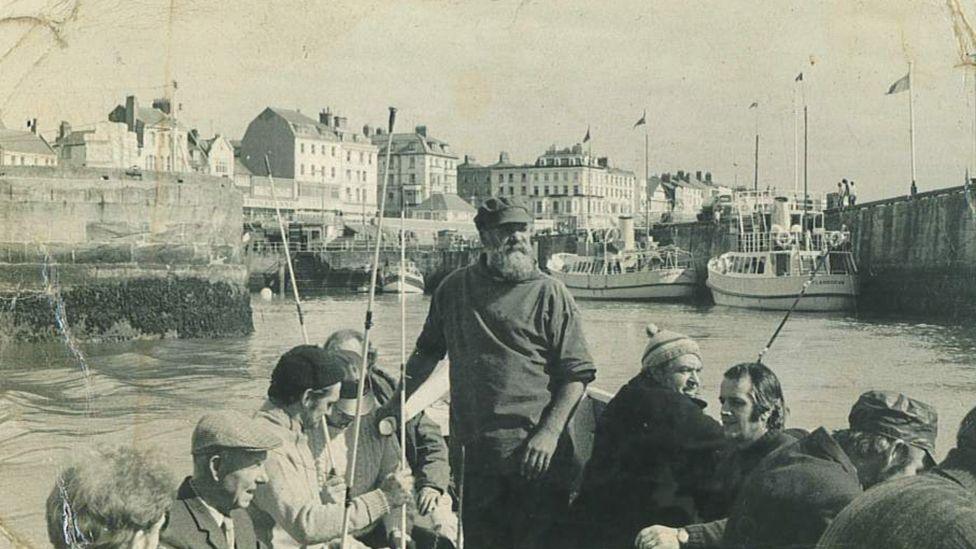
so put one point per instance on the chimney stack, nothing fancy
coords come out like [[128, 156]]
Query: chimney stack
[[503, 157], [33, 125], [131, 112], [698, 175], [64, 130], [325, 117], [340, 122], [421, 130], [367, 131], [708, 177], [162, 104]]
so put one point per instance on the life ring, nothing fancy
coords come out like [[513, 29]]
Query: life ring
[[835, 239], [783, 239]]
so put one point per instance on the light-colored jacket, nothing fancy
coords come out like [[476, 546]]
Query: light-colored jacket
[[288, 511]]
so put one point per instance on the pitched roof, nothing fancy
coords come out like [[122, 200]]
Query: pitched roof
[[240, 168], [76, 137], [303, 125], [413, 143], [24, 142], [441, 202]]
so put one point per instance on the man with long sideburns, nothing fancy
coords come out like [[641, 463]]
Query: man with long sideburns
[[519, 365]]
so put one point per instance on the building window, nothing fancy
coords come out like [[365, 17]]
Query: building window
[[301, 148], [546, 190], [313, 148], [545, 177], [575, 189], [333, 172], [348, 156], [535, 191], [511, 177], [333, 150], [411, 162], [501, 178], [413, 178], [301, 169], [524, 189], [555, 206], [348, 175]]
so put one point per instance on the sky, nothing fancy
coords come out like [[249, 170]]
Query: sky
[[521, 75]]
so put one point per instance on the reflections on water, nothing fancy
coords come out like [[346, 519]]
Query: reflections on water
[[152, 392]]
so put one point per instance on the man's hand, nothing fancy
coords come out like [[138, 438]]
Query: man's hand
[[538, 453], [427, 500], [660, 537], [398, 487], [394, 539]]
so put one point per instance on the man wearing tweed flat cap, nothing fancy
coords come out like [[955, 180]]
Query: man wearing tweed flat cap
[[229, 450], [654, 449], [794, 494]]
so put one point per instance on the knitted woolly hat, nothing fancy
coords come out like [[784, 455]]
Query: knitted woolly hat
[[663, 346]]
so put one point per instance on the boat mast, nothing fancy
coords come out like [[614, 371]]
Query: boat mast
[[911, 119], [647, 199]]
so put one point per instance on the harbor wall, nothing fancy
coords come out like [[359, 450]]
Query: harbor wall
[[916, 255], [102, 254]]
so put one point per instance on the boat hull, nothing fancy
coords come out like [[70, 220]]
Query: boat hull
[[410, 286], [827, 292], [667, 284]]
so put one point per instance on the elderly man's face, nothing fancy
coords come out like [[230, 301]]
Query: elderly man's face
[[509, 250], [240, 475], [681, 375]]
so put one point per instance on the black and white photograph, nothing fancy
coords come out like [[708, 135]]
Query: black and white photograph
[[487, 274]]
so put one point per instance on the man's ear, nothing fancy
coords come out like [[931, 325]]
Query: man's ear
[[214, 464]]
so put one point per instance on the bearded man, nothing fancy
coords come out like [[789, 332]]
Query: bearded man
[[518, 367]]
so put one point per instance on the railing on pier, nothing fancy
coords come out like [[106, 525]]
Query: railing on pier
[[270, 248]]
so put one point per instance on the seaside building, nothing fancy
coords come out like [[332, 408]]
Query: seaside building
[[474, 181], [106, 145], [333, 167], [161, 139], [569, 186], [420, 165], [25, 148], [443, 207], [213, 156], [685, 193]]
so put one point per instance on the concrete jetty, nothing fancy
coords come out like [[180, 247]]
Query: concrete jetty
[[106, 254]]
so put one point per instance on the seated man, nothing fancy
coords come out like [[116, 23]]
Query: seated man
[[110, 498], [291, 509], [794, 494], [229, 450], [936, 510], [427, 451], [753, 421], [378, 456], [653, 452]]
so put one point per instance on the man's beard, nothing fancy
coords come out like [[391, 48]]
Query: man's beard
[[512, 263]]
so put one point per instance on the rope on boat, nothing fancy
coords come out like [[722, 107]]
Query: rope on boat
[[820, 262], [368, 323], [284, 244]]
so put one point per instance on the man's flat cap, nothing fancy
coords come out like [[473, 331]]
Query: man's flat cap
[[501, 209], [231, 430], [896, 416]]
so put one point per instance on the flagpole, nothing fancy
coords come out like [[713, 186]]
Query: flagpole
[[796, 149], [755, 172], [806, 196], [647, 199], [911, 119]]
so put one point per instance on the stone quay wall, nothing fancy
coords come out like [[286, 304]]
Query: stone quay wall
[[102, 254]]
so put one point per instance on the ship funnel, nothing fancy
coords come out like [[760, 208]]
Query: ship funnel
[[780, 214], [627, 232]]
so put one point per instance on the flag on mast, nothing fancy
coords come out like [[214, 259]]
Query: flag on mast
[[587, 137], [903, 84], [642, 121], [799, 78], [754, 105]]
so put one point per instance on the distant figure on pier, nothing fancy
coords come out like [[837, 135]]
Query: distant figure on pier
[[852, 191], [754, 425], [935, 510], [792, 497], [519, 365], [110, 498], [845, 195], [914, 189], [654, 450], [229, 449]]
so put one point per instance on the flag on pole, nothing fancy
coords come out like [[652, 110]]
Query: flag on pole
[[754, 105], [642, 121], [587, 137], [903, 84], [799, 78]]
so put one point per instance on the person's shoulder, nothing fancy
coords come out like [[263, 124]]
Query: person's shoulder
[[180, 526], [453, 279]]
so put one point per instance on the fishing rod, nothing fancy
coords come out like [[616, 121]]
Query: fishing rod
[[284, 244], [821, 260], [403, 359], [351, 469]]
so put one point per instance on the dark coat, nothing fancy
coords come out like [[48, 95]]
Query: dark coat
[[935, 510], [653, 454], [734, 466], [426, 449], [791, 497], [191, 526]]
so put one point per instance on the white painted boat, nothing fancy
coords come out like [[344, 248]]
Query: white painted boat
[[778, 251], [412, 282], [658, 274]]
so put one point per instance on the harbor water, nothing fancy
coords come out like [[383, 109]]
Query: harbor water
[[53, 402]]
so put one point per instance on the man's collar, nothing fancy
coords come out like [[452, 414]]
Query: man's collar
[[217, 515]]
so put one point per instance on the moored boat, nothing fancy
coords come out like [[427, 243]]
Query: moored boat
[[658, 273], [780, 248], [411, 283]]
